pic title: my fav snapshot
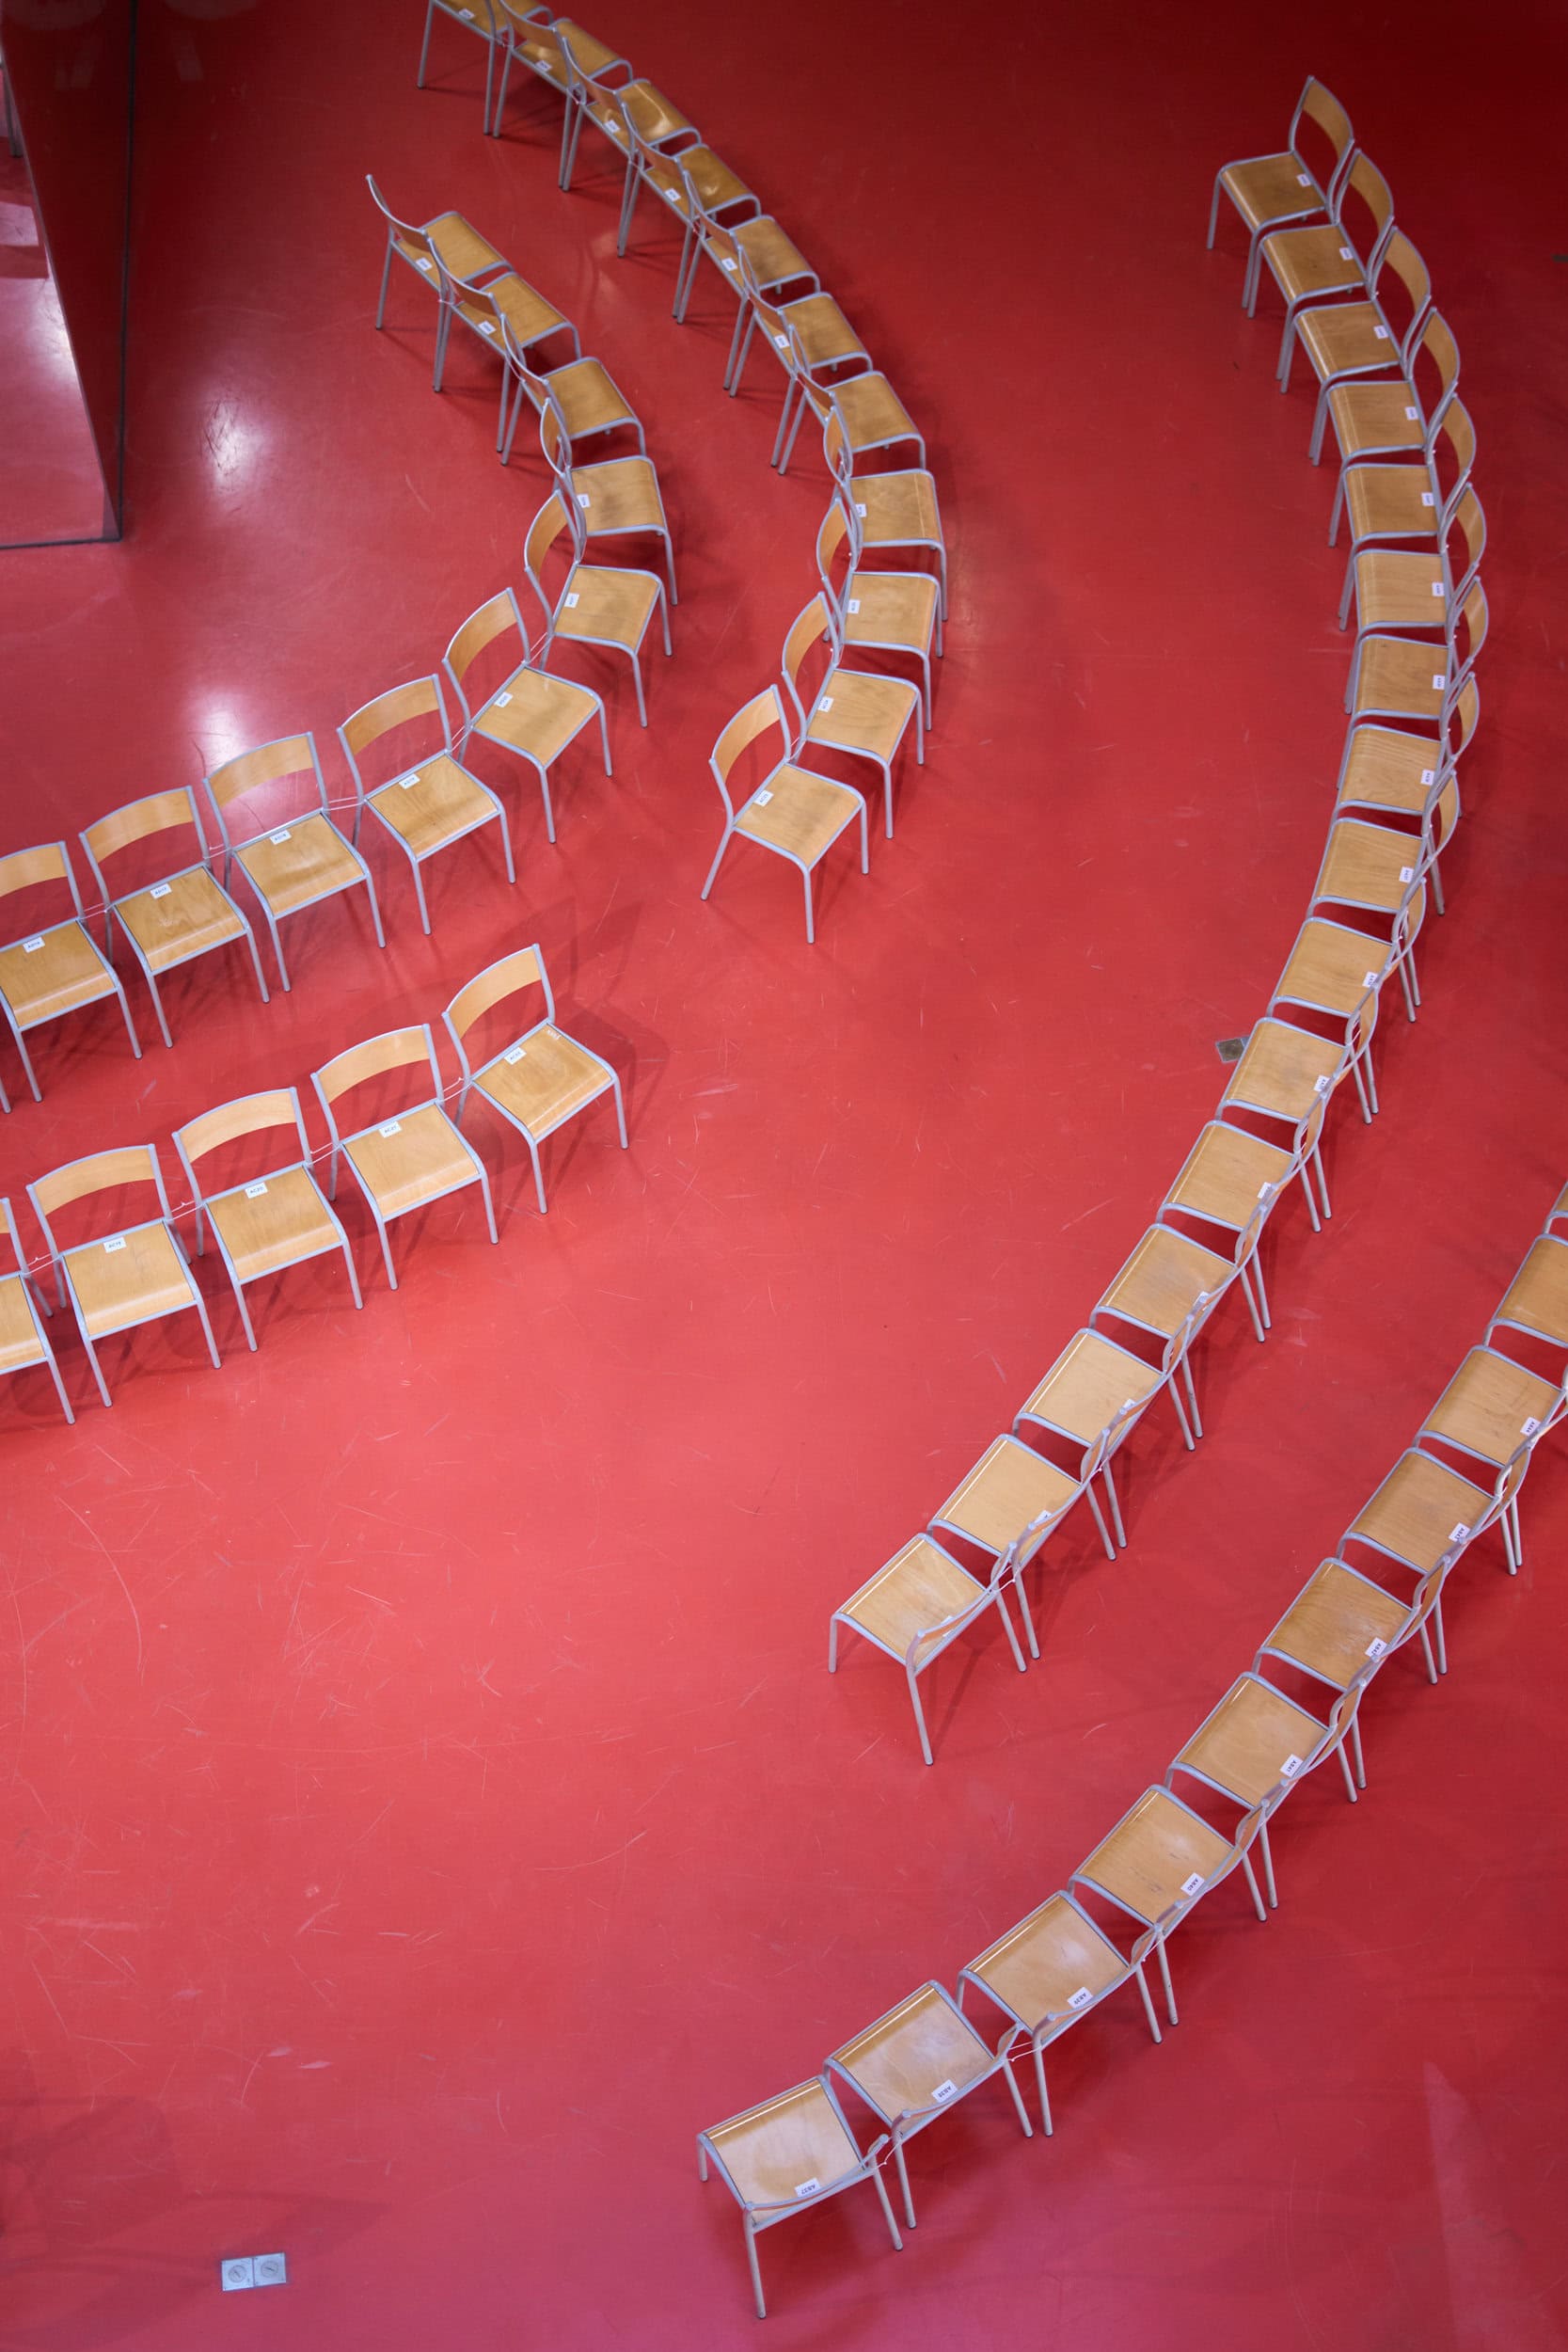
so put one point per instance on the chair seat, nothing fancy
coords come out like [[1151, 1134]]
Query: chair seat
[[1151, 1853], [1335, 1625], [1330, 967], [889, 609], [1038, 1969], [1396, 588], [535, 714], [589, 398], [825, 334], [551, 1078], [1009, 1486], [802, 815], [1375, 415], [1401, 673], [20, 1345], [1345, 339], [606, 116], [1417, 1510], [433, 804], [857, 710], [1267, 188], [587, 48], [1487, 1403], [652, 116], [715, 184], [774, 257], [1224, 1174], [1249, 1738], [526, 310], [1307, 262], [772, 2150], [919, 1588], [898, 2064], [1280, 1067], [1089, 1384], [541, 57], [422, 1157], [1389, 768], [421, 262], [897, 509], [300, 862], [1368, 865], [116, 1289], [1162, 1280], [611, 607], [192, 915], [62, 971], [266, 1230], [872, 412], [1538, 1296], [1390, 502], [622, 494], [466, 254]]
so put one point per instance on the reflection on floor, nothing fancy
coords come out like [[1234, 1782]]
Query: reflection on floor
[[50, 484]]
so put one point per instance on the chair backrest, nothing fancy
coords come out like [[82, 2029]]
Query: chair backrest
[[1464, 714], [406, 230], [588, 59], [752, 719], [774, 324], [531, 26], [1323, 109], [251, 772], [26, 870], [138, 821], [397, 1049], [1474, 615], [833, 532], [1374, 199], [531, 381], [554, 442], [1457, 428], [1399, 261], [523, 968], [100, 1171], [553, 519], [810, 628], [494, 617], [249, 1114], [1466, 516], [9, 1234], [722, 247], [1436, 344], [420, 698]]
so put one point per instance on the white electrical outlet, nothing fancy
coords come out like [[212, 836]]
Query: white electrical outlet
[[238, 2271]]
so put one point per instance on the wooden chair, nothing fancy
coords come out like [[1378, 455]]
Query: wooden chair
[[595, 604], [794, 812], [1046, 1974], [1341, 339], [691, 181], [1380, 873], [1334, 974], [917, 2062], [860, 712], [1287, 1076], [1168, 1289], [1012, 1493], [1228, 1181], [272, 1222], [1401, 418], [1407, 503], [1535, 1303], [869, 410], [24, 1340], [916, 1605], [587, 395], [892, 509], [809, 337], [529, 40], [1268, 190], [791, 2153], [296, 863], [615, 500], [1161, 1859], [603, 90], [55, 971], [474, 16], [533, 716], [1391, 773], [1491, 1409], [1338, 1631], [1424, 1514], [750, 253], [184, 911], [408, 1161], [1254, 1748], [428, 807], [1094, 1391], [445, 249], [899, 612], [116, 1282], [541, 1078], [1312, 265], [506, 314]]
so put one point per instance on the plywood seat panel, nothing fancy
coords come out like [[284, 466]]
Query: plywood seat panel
[[441, 803], [264, 1231], [20, 1345], [825, 334], [1149, 1854], [872, 411], [1368, 865], [1089, 1384], [1334, 1625], [1376, 417], [1307, 262], [193, 915], [62, 973], [1538, 1295], [118, 1288], [300, 862], [917, 2049], [1268, 188], [526, 310], [773, 2150], [1163, 1280], [1341, 336], [1398, 588], [1416, 1510], [1330, 966], [919, 1588], [551, 1078], [1486, 1405], [889, 609], [772, 253], [421, 1159], [620, 495], [1009, 1486], [1224, 1173], [1280, 1067], [803, 815], [1389, 768], [897, 509], [460, 246], [588, 397], [1390, 502], [535, 714], [863, 712], [1248, 1741], [1037, 1966], [1398, 673], [612, 606]]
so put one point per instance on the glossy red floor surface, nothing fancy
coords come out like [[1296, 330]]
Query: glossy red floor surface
[[51, 488], [427, 1806]]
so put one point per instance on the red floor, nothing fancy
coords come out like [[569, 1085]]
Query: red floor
[[428, 1807], [51, 488]]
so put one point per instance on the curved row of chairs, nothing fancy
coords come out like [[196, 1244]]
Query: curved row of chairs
[[1421, 620], [1294, 1708], [1407, 448], [267, 1214]]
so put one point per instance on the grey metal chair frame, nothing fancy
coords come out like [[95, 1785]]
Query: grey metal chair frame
[[822, 700], [433, 276], [64, 1286], [1050, 2028], [759, 2217], [510, 22], [572, 523], [1158, 1930], [991, 1595], [33, 1301], [841, 606], [1361, 272], [474, 16], [1378, 1653], [1359, 1049], [204, 1203], [496, 333], [582, 88], [1301, 1128], [1331, 1740], [503, 694], [429, 1102], [31, 941], [365, 796], [164, 882], [539, 387], [514, 1052], [1405, 925], [1400, 348], [552, 427], [1430, 419], [760, 794], [1323, 200], [232, 848], [842, 467]]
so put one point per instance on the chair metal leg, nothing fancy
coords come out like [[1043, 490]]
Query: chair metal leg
[[1252, 1887], [353, 1274], [1115, 1500], [59, 1387], [158, 1008], [811, 934], [1268, 1865], [385, 274], [1164, 1971], [1012, 1637], [912, 1680], [751, 2259], [1046, 2124], [424, 52], [880, 2186], [490, 1206], [538, 1179], [1361, 1760], [903, 2177], [713, 869], [255, 959], [1191, 1395], [245, 1317], [1100, 1521], [418, 892], [1349, 1776], [93, 1358], [620, 1112], [1149, 2006]]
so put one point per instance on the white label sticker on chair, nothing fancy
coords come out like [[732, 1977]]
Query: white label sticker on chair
[[1190, 1887], [1319, 1086], [281, 835], [854, 604], [1429, 775], [1345, 254], [1439, 680], [116, 1241], [1407, 873], [807, 2188], [1382, 334], [782, 341], [1528, 1428], [1291, 1767], [254, 1192], [486, 327], [1302, 181], [571, 600], [1457, 1534], [514, 1053], [393, 1127], [725, 264], [1436, 587], [1369, 979], [1410, 416], [1080, 1999], [672, 196], [760, 800], [1375, 1649], [859, 508], [583, 498], [826, 703], [1427, 499], [501, 701], [31, 947], [423, 261], [945, 2091]]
